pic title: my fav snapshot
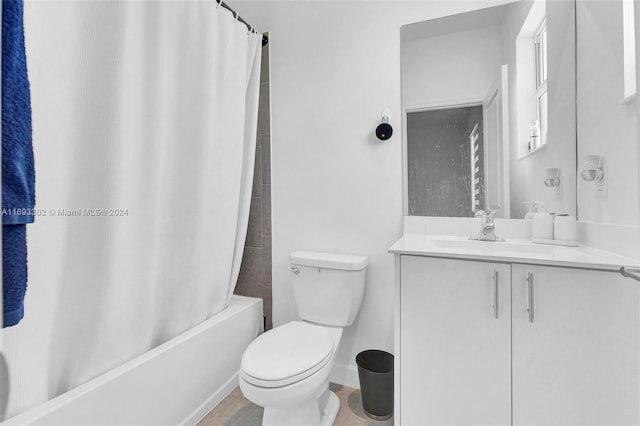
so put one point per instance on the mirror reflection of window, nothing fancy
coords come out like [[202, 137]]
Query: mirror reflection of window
[[540, 46], [531, 80]]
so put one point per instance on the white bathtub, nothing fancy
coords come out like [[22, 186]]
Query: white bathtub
[[178, 382]]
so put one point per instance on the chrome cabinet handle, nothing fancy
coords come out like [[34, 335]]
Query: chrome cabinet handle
[[294, 270], [496, 294], [530, 295], [630, 272]]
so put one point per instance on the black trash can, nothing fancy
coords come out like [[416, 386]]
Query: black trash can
[[375, 371]]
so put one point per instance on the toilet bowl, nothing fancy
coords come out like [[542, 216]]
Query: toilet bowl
[[286, 370]]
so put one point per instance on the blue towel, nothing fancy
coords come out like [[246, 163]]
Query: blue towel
[[18, 176], [14, 271]]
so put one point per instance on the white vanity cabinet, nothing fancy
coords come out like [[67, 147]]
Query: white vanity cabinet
[[455, 354], [576, 358], [563, 350]]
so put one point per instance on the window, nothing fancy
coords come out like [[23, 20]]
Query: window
[[540, 48], [531, 81]]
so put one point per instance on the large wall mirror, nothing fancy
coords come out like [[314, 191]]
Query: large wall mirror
[[489, 111]]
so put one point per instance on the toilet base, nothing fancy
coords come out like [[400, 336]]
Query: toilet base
[[316, 412], [331, 410]]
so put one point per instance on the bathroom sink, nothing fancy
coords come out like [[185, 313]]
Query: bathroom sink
[[491, 246]]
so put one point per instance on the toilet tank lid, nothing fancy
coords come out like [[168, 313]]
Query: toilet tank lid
[[345, 262]]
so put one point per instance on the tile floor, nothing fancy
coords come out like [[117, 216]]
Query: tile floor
[[236, 410]]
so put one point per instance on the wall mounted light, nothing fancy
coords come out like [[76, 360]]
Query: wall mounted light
[[592, 168], [384, 129], [553, 177]]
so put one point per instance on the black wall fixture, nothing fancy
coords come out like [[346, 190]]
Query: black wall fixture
[[384, 129]]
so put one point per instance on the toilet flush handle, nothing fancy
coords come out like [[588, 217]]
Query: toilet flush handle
[[294, 270]]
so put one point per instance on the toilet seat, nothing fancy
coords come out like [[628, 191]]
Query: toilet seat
[[287, 354]]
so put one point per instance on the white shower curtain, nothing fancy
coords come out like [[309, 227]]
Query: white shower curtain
[[147, 109]]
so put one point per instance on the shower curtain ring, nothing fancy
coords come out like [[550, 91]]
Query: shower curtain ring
[[235, 16], [218, 3]]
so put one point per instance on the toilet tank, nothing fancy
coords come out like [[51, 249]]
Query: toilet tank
[[328, 287]]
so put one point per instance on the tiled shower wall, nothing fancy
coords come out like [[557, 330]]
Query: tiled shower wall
[[255, 272]]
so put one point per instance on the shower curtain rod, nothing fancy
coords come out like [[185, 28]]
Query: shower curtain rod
[[265, 39]]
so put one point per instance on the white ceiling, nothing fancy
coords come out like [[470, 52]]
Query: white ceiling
[[454, 23]]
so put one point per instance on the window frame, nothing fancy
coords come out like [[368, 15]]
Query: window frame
[[540, 42]]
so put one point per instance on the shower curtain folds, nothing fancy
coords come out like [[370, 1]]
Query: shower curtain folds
[[143, 107]]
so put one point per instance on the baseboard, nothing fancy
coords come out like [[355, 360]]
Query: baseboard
[[211, 402], [345, 375]]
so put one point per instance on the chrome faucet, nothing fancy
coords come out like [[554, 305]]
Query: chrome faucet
[[488, 228]]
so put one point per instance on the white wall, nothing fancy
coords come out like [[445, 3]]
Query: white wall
[[334, 67], [451, 68], [606, 126]]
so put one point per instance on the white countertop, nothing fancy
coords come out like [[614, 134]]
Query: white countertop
[[510, 251]]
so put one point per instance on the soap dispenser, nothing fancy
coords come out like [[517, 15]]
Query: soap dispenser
[[534, 136], [533, 207]]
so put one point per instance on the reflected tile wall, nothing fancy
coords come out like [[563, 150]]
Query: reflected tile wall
[[255, 272]]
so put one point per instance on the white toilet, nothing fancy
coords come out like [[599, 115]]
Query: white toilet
[[286, 370]]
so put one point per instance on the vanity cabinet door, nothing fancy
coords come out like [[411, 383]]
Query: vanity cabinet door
[[455, 354], [576, 355]]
